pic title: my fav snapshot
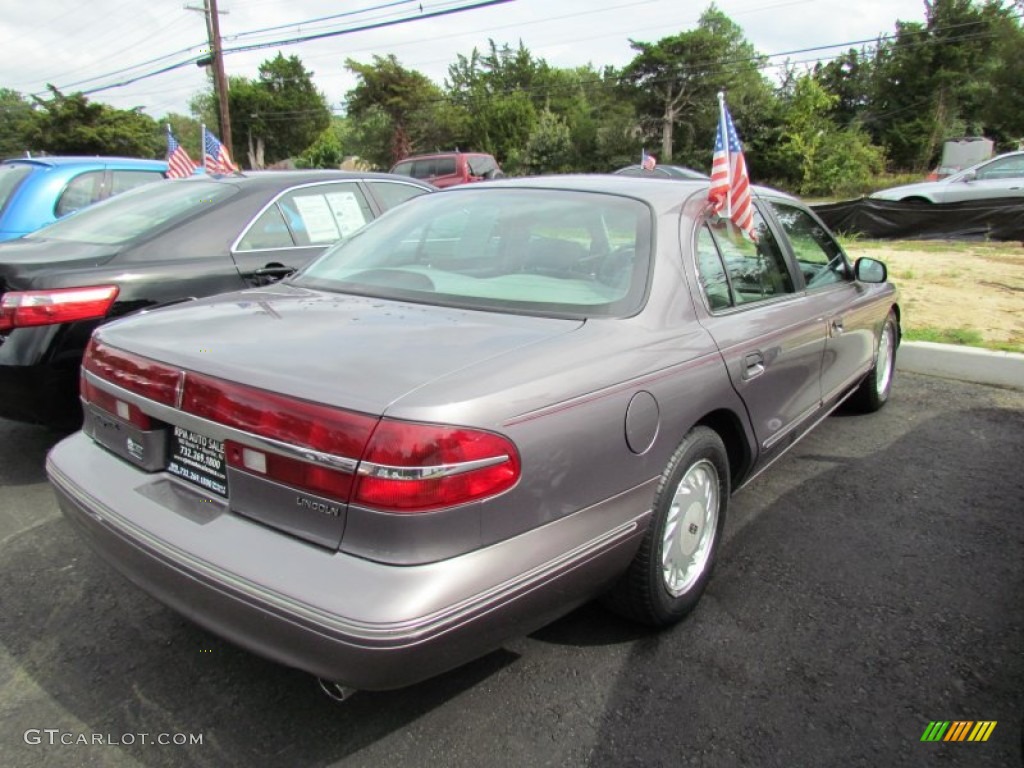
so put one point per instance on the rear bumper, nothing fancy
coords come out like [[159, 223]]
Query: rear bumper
[[39, 375], [364, 624], [40, 394]]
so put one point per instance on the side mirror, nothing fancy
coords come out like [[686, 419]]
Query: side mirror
[[870, 270], [969, 176]]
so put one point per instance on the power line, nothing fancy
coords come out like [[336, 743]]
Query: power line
[[300, 39], [319, 19]]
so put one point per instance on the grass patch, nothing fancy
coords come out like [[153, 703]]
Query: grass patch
[[965, 336]]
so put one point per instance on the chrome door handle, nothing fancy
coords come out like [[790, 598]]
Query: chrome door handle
[[753, 365], [837, 326]]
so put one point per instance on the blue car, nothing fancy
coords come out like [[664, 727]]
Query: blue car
[[35, 192]]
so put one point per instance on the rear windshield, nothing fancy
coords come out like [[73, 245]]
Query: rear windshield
[[535, 251], [136, 212], [10, 177]]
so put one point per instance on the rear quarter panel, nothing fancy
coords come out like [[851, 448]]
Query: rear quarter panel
[[564, 403]]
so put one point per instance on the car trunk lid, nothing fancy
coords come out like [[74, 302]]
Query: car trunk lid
[[340, 350], [279, 441]]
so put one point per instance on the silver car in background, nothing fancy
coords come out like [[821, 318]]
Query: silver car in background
[[1002, 176], [487, 407]]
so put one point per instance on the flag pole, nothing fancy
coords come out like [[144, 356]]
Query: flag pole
[[202, 147], [724, 138]]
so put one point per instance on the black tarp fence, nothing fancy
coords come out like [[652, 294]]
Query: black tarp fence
[[997, 219]]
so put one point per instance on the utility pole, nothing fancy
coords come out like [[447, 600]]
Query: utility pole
[[220, 80]]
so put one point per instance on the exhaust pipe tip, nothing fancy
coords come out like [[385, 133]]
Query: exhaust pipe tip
[[335, 691]]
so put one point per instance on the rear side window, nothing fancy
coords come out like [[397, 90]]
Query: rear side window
[[308, 216], [444, 166], [11, 177], [83, 190], [404, 168], [268, 231]]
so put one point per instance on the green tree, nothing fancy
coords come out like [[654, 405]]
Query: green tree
[[15, 123], [1003, 112], [74, 125], [826, 159], [850, 78], [674, 84], [498, 89], [405, 96], [328, 151], [549, 148], [936, 80], [278, 115]]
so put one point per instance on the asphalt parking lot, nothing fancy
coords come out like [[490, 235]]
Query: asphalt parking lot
[[871, 582]]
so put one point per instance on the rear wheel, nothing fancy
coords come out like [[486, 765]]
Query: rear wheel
[[671, 569], [874, 391]]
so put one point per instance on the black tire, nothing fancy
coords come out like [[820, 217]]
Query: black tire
[[651, 591], [873, 392]]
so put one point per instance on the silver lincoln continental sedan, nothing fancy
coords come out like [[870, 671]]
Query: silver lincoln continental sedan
[[487, 407]]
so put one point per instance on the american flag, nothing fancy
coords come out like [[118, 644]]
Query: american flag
[[730, 185], [218, 160], [179, 164], [647, 162]]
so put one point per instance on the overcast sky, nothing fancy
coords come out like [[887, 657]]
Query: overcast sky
[[66, 42]]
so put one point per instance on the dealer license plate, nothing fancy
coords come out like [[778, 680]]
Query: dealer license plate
[[198, 459]]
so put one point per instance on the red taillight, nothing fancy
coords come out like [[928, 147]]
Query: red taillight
[[111, 404], [295, 422], [316, 478], [419, 467], [150, 379], [21, 309], [403, 467]]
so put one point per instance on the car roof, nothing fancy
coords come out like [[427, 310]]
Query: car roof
[[287, 178], [443, 154], [655, 190], [676, 170], [95, 160]]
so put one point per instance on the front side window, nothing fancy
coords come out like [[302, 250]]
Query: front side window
[[1003, 168], [424, 169], [137, 212], [736, 270], [548, 252], [445, 166], [83, 190], [818, 255]]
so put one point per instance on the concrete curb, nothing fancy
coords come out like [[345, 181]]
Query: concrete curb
[[949, 361]]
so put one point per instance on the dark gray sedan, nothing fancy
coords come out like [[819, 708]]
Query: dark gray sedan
[[490, 405], [159, 244]]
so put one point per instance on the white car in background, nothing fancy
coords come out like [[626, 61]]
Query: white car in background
[[1002, 176]]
